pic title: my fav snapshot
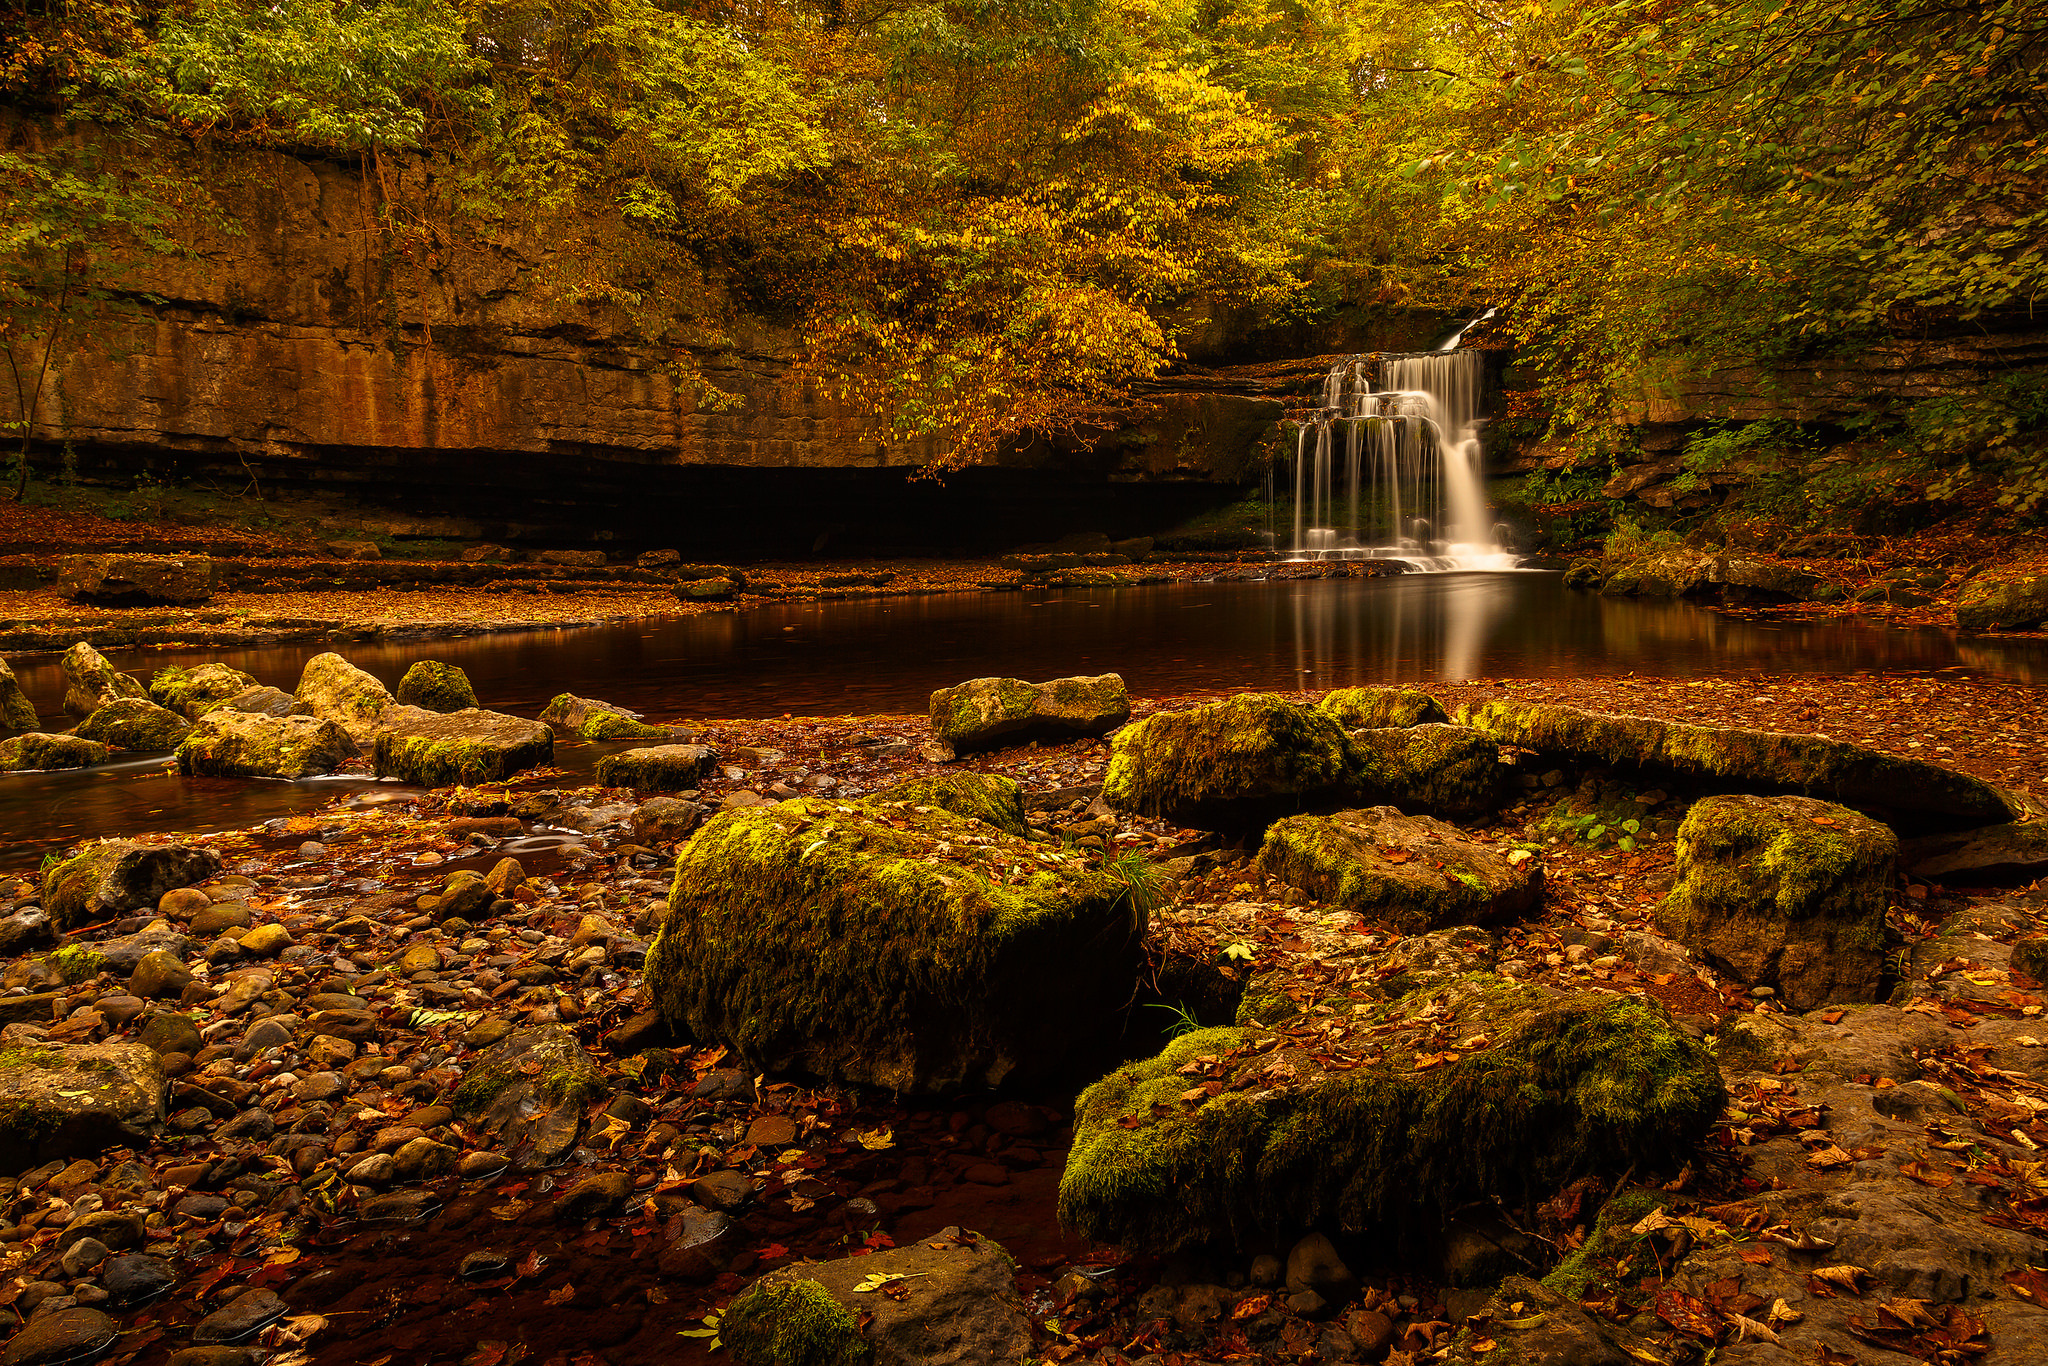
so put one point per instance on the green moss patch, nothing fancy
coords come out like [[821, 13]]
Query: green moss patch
[[792, 1323], [194, 692], [135, 723], [1413, 873], [433, 686], [611, 725], [472, 746], [984, 797], [658, 768], [1379, 708], [1236, 764]]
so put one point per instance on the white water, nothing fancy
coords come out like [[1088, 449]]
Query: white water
[[1393, 472]]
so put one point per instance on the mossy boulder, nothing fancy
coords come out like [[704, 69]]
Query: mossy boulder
[[984, 713], [985, 797], [882, 943], [658, 768], [60, 1101], [959, 1306], [1439, 769], [228, 743], [530, 1090], [1414, 873], [708, 590], [1380, 708], [335, 690], [612, 725], [16, 712], [1487, 1089], [135, 723], [1998, 601], [90, 682], [1908, 793], [1235, 764], [116, 877], [1785, 892], [39, 751], [434, 749], [571, 713], [1674, 573], [433, 686], [194, 692]]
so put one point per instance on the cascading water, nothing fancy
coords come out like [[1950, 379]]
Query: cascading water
[[1394, 472]]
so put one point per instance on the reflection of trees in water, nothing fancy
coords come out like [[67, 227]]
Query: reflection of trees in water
[[2023, 660]]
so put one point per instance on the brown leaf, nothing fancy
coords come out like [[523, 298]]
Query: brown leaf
[[1688, 1315], [1252, 1307], [1925, 1175]]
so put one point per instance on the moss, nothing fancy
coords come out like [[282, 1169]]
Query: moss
[[434, 686], [1234, 764], [1410, 872], [21, 1059], [41, 752], [565, 1077], [194, 692], [443, 760], [609, 725], [659, 768], [1569, 1088], [1443, 770], [1380, 708], [76, 963], [69, 886], [792, 1323], [134, 723], [984, 797], [1590, 1264]]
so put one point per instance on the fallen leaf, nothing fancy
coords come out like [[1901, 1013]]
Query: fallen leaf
[[1252, 1307]]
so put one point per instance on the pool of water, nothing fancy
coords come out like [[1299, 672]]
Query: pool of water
[[888, 654]]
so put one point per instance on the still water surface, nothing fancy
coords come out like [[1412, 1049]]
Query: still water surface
[[888, 654]]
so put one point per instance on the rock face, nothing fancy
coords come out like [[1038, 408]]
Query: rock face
[[1904, 792], [1414, 873], [335, 690], [1380, 708], [135, 723], [194, 692], [1995, 853], [229, 743], [433, 686], [469, 746], [38, 751], [961, 1309], [15, 711], [64, 1101], [137, 580], [1552, 1089], [984, 713], [1997, 601], [1443, 770], [120, 876], [872, 945], [984, 797], [1785, 892], [661, 768], [90, 682], [1234, 764]]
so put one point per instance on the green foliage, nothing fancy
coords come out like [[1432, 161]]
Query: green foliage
[[1729, 446]]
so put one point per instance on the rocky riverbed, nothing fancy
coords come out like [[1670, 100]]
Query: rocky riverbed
[[508, 1069]]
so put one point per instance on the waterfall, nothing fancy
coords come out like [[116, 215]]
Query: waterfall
[[1393, 472]]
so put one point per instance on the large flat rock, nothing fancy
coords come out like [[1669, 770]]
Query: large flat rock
[[78, 1100], [1414, 873], [437, 749], [230, 743], [983, 713]]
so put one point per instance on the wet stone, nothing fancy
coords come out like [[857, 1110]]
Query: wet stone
[[135, 1276], [241, 1317], [74, 1334]]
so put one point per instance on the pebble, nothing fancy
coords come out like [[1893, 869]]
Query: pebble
[[240, 1317], [133, 1276]]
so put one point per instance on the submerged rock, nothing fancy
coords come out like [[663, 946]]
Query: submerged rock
[[983, 713], [335, 690], [1413, 872], [1234, 764], [660, 768], [231, 743], [90, 682], [135, 723], [1900, 791], [39, 751], [959, 1307], [1785, 892], [16, 713], [1439, 769], [75, 1100], [120, 876], [434, 686], [1380, 708], [984, 797], [878, 943], [137, 580], [194, 692], [434, 749]]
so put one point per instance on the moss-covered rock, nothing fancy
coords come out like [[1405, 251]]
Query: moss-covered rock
[[229, 743], [708, 590], [16, 712], [572, 713], [1439, 769], [658, 768], [116, 877], [611, 725], [267, 700], [194, 692], [90, 682], [959, 1305], [1412, 872], [1235, 764], [69, 1101], [335, 690], [1902, 792], [1674, 573], [2002, 601], [433, 686], [433, 749], [1380, 708], [1237, 1135], [984, 797], [135, 723], [880, 943], [39, 751], [530, 1090], [983, 713], [1785, 892]]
